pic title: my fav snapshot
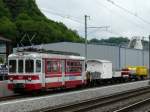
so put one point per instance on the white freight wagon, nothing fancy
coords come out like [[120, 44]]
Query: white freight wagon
[[99, 69]]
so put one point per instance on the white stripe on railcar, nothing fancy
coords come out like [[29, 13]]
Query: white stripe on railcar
[[60, 79]]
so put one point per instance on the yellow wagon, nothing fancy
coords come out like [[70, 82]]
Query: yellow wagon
[[138, 71]]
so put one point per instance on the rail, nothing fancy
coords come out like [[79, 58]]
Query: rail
[[133, 106]]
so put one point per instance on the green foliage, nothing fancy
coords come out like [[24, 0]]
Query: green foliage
[[20, 17], [3, 10], [111, 40], [7, 28], [1, 59]]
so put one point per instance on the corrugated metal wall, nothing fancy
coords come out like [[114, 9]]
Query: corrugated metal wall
[[134, 57], [120, 57]]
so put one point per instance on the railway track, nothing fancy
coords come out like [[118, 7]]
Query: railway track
[[13, 97], [134, 107], [9, 97], [100, 103]]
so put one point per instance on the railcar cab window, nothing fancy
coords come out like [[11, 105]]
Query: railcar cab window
[[29, 66], [20, 66], [12, 66], [38, 65]]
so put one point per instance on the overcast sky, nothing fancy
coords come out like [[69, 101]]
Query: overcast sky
[[102, 13]]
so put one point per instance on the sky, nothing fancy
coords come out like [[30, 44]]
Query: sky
[[126, 18]]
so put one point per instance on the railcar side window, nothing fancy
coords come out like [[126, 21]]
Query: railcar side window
[[12, 66], [48, 66], [29, 66], [53, 66], [20, 66], [38, 66], [73, 66]]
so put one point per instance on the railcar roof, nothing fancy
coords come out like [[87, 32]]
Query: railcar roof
[[99, 60], [43, 55]]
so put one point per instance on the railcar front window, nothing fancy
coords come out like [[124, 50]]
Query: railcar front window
[[20, 66], [12, 66], [29, 66], [38, 66]]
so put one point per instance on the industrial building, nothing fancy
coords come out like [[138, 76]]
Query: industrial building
[[5, 49], [120, 56]]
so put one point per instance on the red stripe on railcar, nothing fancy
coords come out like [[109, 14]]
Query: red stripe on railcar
[[27, 87], [73, 83], [30, 87], [73, 74], [54, 84], [10, 86], [53, 75]]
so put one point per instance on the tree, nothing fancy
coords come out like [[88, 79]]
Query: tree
[[3, 10], [111, 40], [7, 28], [20, 17]]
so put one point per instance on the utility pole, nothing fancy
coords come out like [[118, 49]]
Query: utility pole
[[86, 36], [143, 52], [149, 60], [119, 56]]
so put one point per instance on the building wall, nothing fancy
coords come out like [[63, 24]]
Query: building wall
[[120, 57], [134, 57], [4, 89]]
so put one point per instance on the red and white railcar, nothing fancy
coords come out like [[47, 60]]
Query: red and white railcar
[[31, 71]]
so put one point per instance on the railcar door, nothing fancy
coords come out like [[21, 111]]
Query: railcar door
[[53, 74], [63, 71], [73, 74], [43, 73]]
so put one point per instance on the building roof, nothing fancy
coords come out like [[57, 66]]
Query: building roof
[[4, 39]]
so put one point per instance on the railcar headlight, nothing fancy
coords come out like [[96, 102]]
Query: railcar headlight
[[11, 79], [29, 78]]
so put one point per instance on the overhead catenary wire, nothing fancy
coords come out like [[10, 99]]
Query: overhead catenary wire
[[128, 20], [128, 11], [138, 24], [67, 16], [75, 19], [114, 32]]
